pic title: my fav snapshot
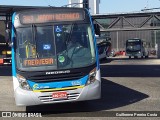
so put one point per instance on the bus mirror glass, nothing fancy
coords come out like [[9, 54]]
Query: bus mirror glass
[[108, 39], [8, 36], [97, 29], [8, 32]]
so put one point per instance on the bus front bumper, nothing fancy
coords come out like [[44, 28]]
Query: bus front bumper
[[29, 98], [135, 54]]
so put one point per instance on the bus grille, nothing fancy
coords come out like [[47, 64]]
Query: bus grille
[[49, 99], [51, 78]]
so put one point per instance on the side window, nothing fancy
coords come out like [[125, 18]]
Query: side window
[[24, 37]]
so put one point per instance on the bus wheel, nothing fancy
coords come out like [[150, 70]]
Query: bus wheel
[[129, 57], [146, 56], [141, 56], [106, 57]]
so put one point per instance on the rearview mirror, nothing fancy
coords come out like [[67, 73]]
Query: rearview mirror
[[8, 36], [97, 29], [8, 32]]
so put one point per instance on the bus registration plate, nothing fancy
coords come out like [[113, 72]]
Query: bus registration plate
[[59, 95], [1, 61]]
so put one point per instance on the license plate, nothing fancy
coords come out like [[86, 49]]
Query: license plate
[[59, 95], [1, 61]]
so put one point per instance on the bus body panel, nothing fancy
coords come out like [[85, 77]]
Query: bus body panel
[[95, 41], [135, 48], [89, 92], [140, 53]]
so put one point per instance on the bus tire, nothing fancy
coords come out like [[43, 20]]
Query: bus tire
[[106, 57], [129, 57], [146, 56]]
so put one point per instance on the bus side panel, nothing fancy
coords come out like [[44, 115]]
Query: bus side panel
[[95, 43], [98, 76], [15, 81]]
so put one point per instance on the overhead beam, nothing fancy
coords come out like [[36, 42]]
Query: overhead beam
[[130, 29], [124, 21]]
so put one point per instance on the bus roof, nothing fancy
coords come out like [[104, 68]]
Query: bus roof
[[9, 9], [51, 15], [6, 10], [133, 40]]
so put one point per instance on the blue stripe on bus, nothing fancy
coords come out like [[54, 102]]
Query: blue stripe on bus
[[59, 84], [13, 39], [95, 43]]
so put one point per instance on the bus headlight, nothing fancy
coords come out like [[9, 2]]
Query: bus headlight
[[9, 53], [92, 77], [23, 83], [4, 52]]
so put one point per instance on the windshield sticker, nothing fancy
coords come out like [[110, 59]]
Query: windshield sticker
[[37, 87], [58, 35], [58, 29], [38, 62], [46, 47], [61, 58]]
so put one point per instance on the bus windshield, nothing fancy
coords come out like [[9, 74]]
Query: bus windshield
[[53, 47], [133, 45]]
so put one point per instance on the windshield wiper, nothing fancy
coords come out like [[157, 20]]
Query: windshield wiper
[[70, 33], [33, 30], [67, 42]]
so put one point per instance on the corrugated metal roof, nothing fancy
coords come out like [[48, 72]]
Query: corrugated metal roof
[[8, 10]]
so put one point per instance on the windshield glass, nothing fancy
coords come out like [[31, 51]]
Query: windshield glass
[[54, 47], [133, 45]]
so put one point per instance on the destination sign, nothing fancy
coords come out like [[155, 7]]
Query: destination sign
[[38, 62], [44, 17], [134, 40]]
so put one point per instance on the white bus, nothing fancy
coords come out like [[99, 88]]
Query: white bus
[[54, 56]]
